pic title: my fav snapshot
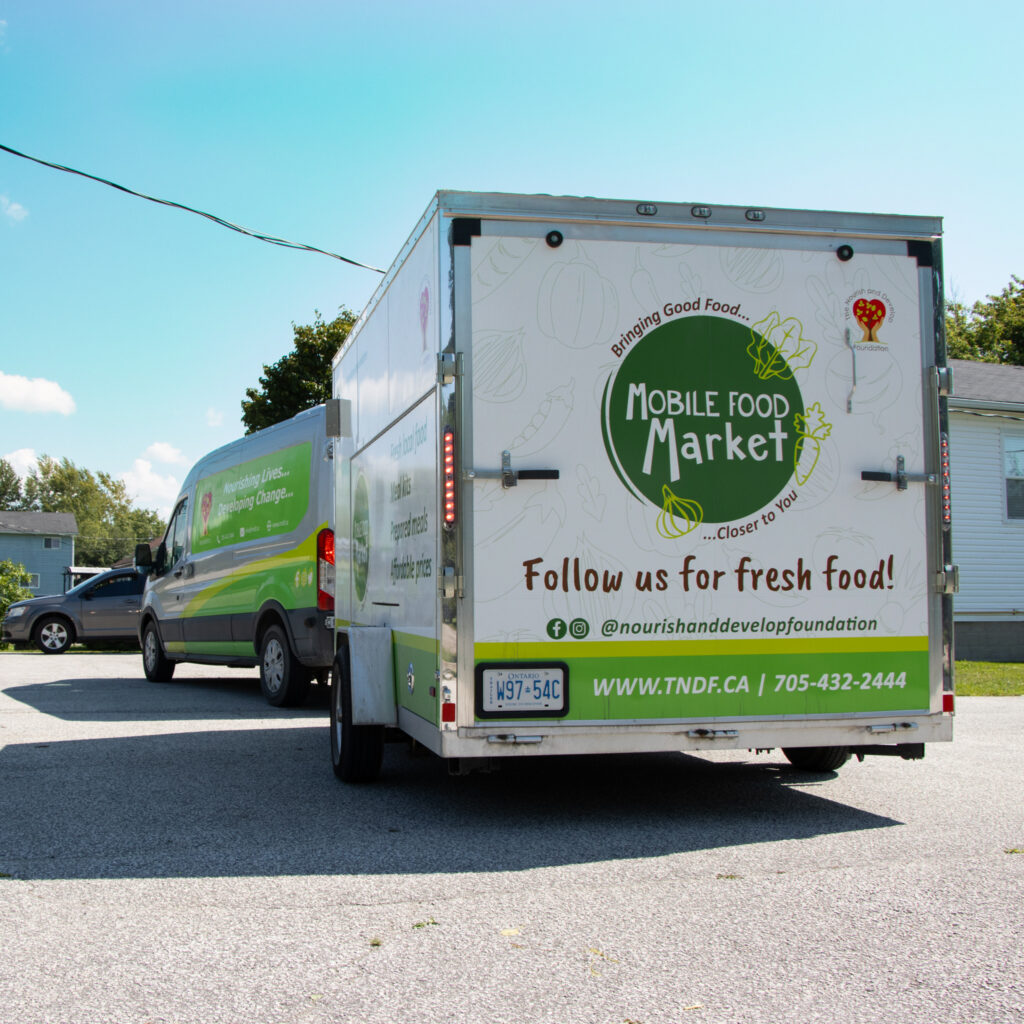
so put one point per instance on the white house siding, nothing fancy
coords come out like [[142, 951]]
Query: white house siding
[[987, 546]]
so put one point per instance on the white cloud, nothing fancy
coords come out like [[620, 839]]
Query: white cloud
[[22, 460], [214, 417], [161, 451], [34, 395], [11, 210], [149, 489]]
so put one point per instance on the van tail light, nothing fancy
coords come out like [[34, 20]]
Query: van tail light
[[947, 702], [325, 570], [448, 473]]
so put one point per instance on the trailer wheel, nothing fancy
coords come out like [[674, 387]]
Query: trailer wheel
[[817, 759], [157, 666], [356, 750], [284, 680]]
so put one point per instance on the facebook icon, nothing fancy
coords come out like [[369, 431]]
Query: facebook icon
[[557, 629]]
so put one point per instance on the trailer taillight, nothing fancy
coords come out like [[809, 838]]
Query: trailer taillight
[[449, 477], [947, 507], [947, 702], [325, 570]]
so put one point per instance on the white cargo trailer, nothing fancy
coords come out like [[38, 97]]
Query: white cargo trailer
[[645, 477]]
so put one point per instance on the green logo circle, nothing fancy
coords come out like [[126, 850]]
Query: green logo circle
[[361, 537], [557, 629], [699, 418]]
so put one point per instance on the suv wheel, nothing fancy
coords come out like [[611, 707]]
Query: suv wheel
[[54, 635]]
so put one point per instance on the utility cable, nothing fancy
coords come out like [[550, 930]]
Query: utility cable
[[188, 209]]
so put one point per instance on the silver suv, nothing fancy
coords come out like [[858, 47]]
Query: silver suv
[[103, 607]]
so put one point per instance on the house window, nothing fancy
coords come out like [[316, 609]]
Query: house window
[[1013, 471], [51, 542], [33, 581]]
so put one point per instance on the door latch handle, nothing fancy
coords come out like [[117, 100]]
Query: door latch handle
[[901, 477], [508, 476]]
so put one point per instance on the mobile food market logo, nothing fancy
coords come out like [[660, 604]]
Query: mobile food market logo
[[704, 420]]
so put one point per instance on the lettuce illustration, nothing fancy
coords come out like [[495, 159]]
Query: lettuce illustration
[[779, 348]]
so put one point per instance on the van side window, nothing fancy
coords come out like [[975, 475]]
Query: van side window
[[174, 539]]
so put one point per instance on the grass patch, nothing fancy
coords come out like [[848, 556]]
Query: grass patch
[[989, 679]]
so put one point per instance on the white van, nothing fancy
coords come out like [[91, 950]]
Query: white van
[[245, 573]]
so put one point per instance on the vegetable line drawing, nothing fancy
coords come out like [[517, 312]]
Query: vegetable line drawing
[[811, 428], [779, 348], [678, 516]]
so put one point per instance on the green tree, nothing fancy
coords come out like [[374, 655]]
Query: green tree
[[300, 379], [13, 583], [109, 526], [10, 487], [990, 331]]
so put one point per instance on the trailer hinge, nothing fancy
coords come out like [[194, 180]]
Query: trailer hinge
[[944, 380], [449, 366], [901, 477], [947, 579], [451, 585]]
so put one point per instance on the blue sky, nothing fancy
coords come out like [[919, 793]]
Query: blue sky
[[129, 332]]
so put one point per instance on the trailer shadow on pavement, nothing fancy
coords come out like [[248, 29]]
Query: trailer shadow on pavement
[[240, 799]]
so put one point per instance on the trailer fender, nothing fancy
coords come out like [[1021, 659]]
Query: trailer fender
[[371, 664]]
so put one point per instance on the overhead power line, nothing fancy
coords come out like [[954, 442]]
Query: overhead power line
[[188, 209]]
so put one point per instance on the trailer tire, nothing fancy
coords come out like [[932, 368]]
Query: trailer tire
[[157, 666], [817, 759], [284, 680], [356, 750]]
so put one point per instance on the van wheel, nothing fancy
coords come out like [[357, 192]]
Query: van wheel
[[157, 666], [54, 635], [356, 750], [283, 678], [817, 759]]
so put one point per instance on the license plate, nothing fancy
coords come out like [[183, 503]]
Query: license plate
[[523, 689]]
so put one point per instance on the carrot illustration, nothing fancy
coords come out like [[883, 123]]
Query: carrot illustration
[[811, 430]]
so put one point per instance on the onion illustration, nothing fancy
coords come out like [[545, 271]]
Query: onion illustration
[[499, 365], [678, 516]]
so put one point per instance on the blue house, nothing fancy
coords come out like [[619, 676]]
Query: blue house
[[43, 542], [986, 427]]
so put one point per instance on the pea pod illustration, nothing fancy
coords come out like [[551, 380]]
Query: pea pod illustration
[[678, 516]]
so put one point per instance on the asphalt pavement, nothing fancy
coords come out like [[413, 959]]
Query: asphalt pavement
[[181, 853]]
